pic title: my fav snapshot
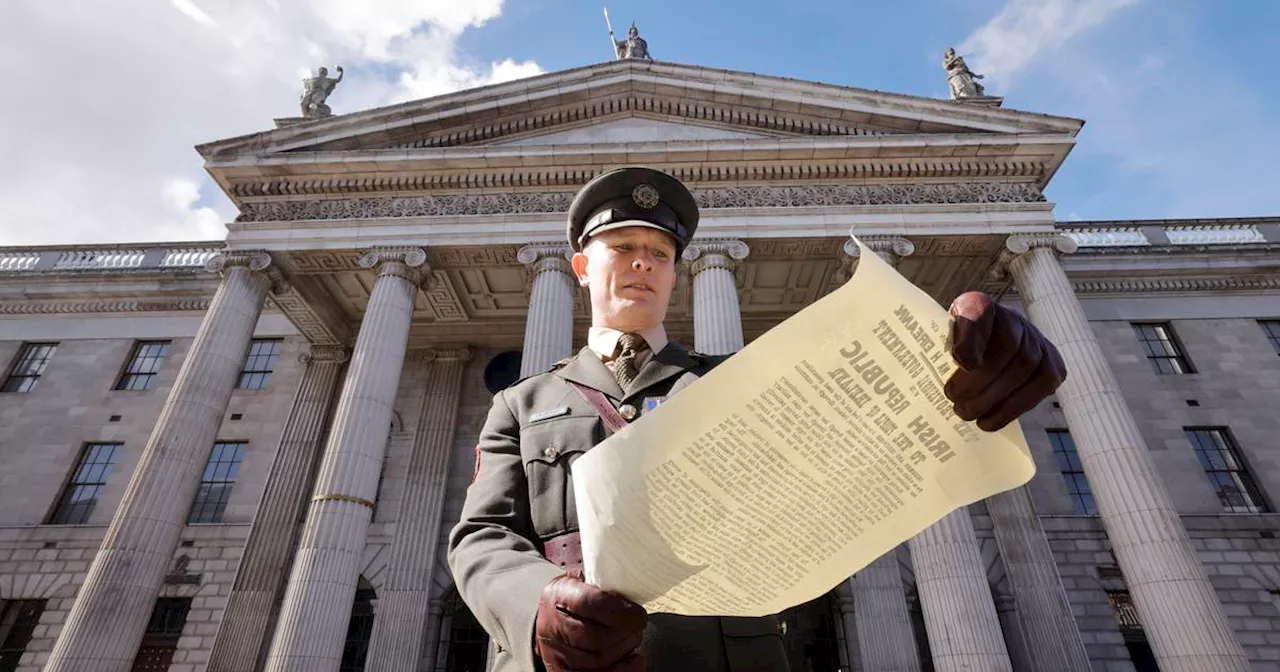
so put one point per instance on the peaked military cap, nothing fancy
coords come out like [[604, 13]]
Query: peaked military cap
[[633, 196]]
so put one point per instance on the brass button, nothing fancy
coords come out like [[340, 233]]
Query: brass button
[[551, 452], [782, 628], [628, 411]]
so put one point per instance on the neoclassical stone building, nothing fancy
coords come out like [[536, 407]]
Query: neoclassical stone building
[[247, 454]]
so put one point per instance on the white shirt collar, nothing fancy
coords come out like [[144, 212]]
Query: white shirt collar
[[604, 340]]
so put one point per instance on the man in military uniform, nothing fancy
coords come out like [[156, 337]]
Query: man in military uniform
[[515, 552]]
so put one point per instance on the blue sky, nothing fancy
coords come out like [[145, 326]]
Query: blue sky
[[107, 99]]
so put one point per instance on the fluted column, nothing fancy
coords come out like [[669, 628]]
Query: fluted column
[[886, 638], [405, 598], [717, 315], [959, 611], [317, 603], [247, 622], [849, 624], [105, 625], [1051, 634], [548, 331], [1179, 609]]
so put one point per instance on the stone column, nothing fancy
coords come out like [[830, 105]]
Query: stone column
[[1051, 634], [548, 333], [1179, 609], [884, 624], [717, 316], [959, 611], [317, 602], [852, 659], [251, 609], [105, 625], [405, 598]]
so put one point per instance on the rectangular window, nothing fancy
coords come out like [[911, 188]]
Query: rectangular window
[[81, 493], [1064, 449], [1162, 348], [1272, 329], [215, 488], [164, 629], [18, 621], [258, 365], [29, 366], [1225, 467], [144, 365]]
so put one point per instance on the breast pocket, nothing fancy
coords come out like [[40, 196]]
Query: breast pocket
[[549, 449]]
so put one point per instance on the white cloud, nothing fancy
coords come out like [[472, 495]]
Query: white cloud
[[1025, 29], [105, 101]]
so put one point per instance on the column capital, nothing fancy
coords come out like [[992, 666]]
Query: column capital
[[258, 261], [407, 262], [325, 354], [1019, 244], [890, 248], [722, 253], [541, 257]]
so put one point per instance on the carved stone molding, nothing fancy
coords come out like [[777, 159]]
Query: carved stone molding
[[409, 263], [109, 306], [312, 313], [1175, 284], [325, 354], [705, 254], [448, 205], [428, 355], [542, 257], [1022, 243]]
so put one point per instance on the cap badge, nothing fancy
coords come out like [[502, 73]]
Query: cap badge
[[645, 196]]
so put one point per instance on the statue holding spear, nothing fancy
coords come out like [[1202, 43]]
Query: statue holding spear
[[632, 47]]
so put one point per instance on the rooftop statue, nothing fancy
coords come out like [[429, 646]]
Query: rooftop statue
[[315, 91], [960, 78]]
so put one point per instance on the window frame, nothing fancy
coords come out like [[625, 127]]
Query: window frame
[[127, 375], [199, 509], [22, 356], [258, 378], [1271, 330], [60, 514], [9, 644], [1179, 358], [1243, 480], [1079, 503]]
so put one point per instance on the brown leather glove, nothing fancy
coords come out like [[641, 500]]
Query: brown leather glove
[[580, 627], [1006, 365]]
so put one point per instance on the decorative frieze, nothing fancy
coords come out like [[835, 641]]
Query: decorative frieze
[[120, 306], [450, 205]]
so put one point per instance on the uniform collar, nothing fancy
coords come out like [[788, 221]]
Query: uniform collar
[[588, 369], [604, 340]]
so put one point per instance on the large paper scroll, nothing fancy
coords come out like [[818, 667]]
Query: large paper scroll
[[800, 460]]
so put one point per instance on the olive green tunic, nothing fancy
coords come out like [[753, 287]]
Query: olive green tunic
[[522, 495]]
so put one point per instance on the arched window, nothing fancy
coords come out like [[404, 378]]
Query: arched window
[[464, 645], [356, 648]]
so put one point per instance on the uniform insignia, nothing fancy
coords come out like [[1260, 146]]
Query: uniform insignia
[[645, 196], [552, 413], [651, 403]]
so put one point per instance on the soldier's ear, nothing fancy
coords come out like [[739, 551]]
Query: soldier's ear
[[579, 263]]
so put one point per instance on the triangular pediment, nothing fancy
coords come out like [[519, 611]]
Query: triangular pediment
[[632, 129], [562, 107]]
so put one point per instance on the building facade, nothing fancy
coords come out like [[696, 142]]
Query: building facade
[[247, 454]]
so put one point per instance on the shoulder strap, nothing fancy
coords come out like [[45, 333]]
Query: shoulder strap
[[612, 419]]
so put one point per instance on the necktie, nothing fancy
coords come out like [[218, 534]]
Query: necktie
[[624, 367]]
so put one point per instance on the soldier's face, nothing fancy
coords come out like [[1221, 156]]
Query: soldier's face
[[630, 273]]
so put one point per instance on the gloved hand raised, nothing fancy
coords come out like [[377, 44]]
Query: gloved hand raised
[[1006, 365], [580, 627]]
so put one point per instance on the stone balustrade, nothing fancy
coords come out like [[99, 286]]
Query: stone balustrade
[[1158, 233], [107, 257]]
